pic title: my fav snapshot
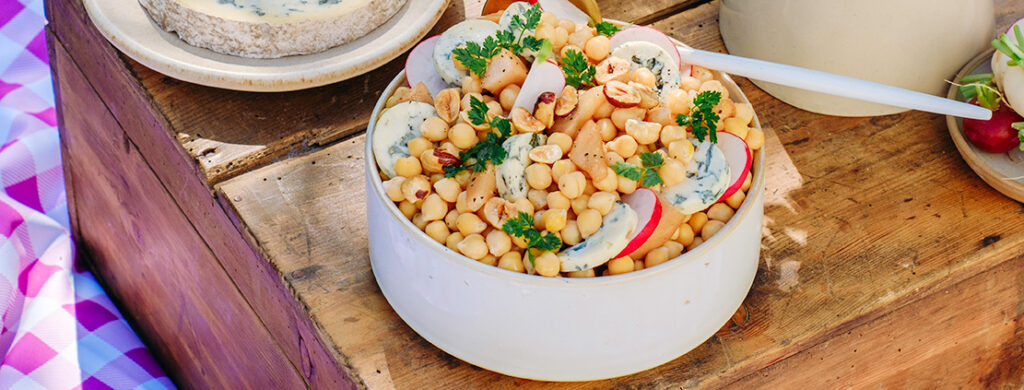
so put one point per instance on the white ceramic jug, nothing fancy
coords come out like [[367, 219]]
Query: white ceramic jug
[[914, 44]]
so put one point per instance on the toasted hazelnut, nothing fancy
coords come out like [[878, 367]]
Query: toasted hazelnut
[[447, 104], [525, 122], [566, 101], [546, 154], [431, 161], [481, 189], [612, 68], [418, 93], [497, 210], [621, 95], [545, 111], [648, 96]]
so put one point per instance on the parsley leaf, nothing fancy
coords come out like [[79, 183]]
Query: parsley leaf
[[474, 56], [486, 150], [522, 226], [648, 174], [578, 73], [702, 120], [607, 29], [477, 111]]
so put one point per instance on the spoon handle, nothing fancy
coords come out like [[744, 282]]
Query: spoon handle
[[832, 84]]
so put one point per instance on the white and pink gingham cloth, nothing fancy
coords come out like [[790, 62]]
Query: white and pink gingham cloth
[[60, 331]]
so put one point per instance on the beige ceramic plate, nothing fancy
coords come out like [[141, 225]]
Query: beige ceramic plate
[[127, 26], [1004, 172]]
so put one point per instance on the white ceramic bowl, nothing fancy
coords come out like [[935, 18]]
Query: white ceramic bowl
[[561, 329]]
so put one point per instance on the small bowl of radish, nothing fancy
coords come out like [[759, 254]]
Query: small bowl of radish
[[994, 80], [576, 205]]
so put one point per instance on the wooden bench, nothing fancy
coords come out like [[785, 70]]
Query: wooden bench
[[230, 229]]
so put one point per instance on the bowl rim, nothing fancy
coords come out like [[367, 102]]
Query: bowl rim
[[757, 185]]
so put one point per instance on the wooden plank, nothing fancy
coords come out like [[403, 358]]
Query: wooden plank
[[261, 285], [145, 259], [644, 12], [862, 216]]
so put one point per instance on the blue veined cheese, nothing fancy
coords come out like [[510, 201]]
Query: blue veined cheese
[[474, 30], [707, 177], [270, 28], [518, 8], [511, 174], [608, 241], [642, 54], [393, 131]]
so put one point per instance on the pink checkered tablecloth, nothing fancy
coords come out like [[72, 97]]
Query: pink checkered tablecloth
[[60, 331]]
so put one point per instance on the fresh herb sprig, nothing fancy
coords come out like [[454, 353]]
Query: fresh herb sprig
[[1014, 50], [522, 226], [702, 119], [578, 72], [607, 29], [980, 86], [475, 56], [486, 150], [648, 174]]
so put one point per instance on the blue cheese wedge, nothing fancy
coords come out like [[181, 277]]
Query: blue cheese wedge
[[270, 28], [511, 174], [519, 9], [707, 177], [475, 30], [608, 241], [395, 127], [641, 54]]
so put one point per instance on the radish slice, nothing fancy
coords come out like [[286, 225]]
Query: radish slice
[[543, 77], [738, 155], [563, 9], [648, 34], [648, 211], [419, 66]]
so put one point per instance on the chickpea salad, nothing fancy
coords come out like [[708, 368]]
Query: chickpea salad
[[540, 143]]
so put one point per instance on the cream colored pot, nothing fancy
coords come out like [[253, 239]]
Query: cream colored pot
[[914, 44]]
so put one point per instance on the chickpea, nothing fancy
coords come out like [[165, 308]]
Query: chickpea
[[656, 256], [471, 84], [644, 76], [602, 202], [524, 205], [434, 208], [745, 112], [710, 228], [508, 96], [538, 176], [673, 172], [417, 219], [437, 230], [571, 233], [598, 47], [701, 73], [469, 223], [547, 264], [560, 38], [645, 133], [562, 167], [434, 129], [461, 205], [462, 136], [696, 242], [567, 48], [736, 126], [620, 265], [473, 246], [678, 102], [580, 204], [755, 138], [638, 265], [572, 184], [519, 242], [448, 189], [635, 159], [416, 188], [418, 145], [725, 109], [604, 111], [689, 83], [580, 37], [453, 240], [557, 200], [498, 242], [467, 100], [588, 222], [407, 208], [671, 134], [621, 115], [681, 150], [720, 212], [626, 186], [555, 219], [609, 183], [697, 221], [660, 115], [685, 234], [567, 25], [587, 273], [408, 166], [607, 129], [613, 158], [624, 145], [564, 141], [393, 188], [489, 259], [545, 31], [512, 261], [746, 184], [674, 249], [714, 85], [736, 199], [548, 19], [538, 219], [537, 197], [451, 218]]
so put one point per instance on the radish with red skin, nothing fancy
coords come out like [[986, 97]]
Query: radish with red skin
[[419, 66], [657, 220], [739, 157], [563, 9], [543, 77], [652, 35], [995, 135]]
